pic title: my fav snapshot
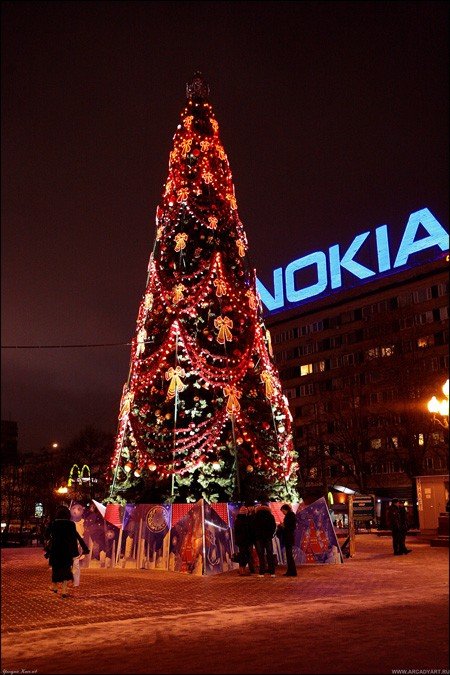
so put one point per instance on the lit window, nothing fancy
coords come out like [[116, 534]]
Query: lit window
[[427, 341], [373, 353], [387, 351], [421, 439], [375, 443], [306, 369]]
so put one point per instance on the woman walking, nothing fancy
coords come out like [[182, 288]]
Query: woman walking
[[62, 548]]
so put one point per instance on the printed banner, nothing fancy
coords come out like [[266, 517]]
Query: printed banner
[[315, 538], [154, 522], [186, 542], [218, 545]]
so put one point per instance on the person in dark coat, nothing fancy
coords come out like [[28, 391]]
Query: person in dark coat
[[264, 526], [63, 548], [398, 523], [243, 540], [288, 535]]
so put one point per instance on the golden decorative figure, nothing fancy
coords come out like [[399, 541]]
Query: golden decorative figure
[[241, 247], [223, 324], [180, 241], [266, 377], [212, 220], [204, 146], [141, 338], [188, 121], [182, 194], [221, 287], [233, 404], [232, 200], [176, 384], [125, 404], [186, 146], [148, 301], [178, 291], [252, 303]]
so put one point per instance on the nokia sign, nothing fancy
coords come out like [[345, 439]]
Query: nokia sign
[[326, 267]]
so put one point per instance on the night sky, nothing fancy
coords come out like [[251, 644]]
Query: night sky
[[333, 115]]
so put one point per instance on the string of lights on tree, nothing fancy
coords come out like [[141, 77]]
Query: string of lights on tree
[[202, 413]]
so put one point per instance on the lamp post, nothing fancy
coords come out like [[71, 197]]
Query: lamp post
[[439, 408]]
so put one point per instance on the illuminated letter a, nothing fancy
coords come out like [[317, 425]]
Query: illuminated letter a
[[437, 236]]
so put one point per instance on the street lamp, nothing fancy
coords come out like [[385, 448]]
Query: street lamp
[[440, 407]]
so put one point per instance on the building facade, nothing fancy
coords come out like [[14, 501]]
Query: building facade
[[358, 368]]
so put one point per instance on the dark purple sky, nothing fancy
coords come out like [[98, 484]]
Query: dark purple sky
[[333, 116]]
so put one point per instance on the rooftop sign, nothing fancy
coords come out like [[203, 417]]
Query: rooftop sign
[[326, 267]]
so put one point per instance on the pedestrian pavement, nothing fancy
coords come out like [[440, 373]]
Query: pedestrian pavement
[[375, 613]]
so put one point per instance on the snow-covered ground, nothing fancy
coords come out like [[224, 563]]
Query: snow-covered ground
[[373, 614]]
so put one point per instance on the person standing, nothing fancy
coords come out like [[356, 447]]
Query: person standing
[[403, 529], [397, 523], [63, 548], [264, 529], [289, 525], [242, 539]]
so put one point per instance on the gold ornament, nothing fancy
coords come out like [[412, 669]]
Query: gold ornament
[[221, 287], [221, 152], [180, 241], [178, 291], [125, 404], [186, 146], [176, 384], [212, 220], [266, 377], [204, 146], [168, 187], [223, 325], [241, 247], [159, 232], [207, 177], [233, 404], [251, 299], [148, 301], [182, 194], [232, 200], [214, 125], [188, 121], [141, 338]]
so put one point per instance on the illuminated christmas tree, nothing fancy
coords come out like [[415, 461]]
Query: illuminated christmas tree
[[202, 412]]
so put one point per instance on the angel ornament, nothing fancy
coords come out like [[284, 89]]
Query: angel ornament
[[141, 338]]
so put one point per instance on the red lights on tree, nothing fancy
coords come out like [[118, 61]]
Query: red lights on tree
[[200, 329]]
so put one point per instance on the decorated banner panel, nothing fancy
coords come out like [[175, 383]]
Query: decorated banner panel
[[100, 534], [192, 538], [315, 539], [153, 527], [218, 544], [187, 541]]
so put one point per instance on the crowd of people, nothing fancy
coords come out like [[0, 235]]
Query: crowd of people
[[254, 530]]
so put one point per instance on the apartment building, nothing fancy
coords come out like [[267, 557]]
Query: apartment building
[[358, 368]]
